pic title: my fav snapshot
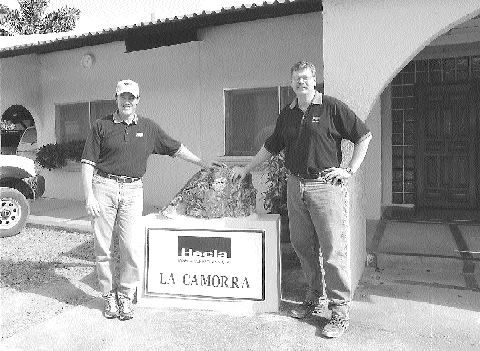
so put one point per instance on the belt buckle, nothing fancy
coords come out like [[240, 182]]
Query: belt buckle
[[123, 179]]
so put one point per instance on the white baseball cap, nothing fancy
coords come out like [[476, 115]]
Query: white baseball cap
[[128, 86]]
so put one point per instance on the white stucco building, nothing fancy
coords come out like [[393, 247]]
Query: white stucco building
[[409, 68]]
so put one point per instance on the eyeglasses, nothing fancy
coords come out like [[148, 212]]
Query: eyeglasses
[[304, 78]]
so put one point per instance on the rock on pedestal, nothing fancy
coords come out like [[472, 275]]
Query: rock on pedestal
[[207, 249]]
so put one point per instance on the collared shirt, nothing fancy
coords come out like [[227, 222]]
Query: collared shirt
[[117, 119], [312, 139], [119, 148]]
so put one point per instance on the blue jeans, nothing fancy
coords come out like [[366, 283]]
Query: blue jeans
[[319, 233], [121, 208]]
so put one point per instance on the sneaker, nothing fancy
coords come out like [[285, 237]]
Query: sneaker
[[308, 306], [125, 306], [110, 309], [304, 310], [336, 326]]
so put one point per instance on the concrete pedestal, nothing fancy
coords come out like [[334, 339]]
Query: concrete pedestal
[[230, 265]]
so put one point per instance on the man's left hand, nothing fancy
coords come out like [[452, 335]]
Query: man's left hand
[[336, 174]]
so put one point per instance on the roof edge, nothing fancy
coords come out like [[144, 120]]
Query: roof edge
[[169, 25]]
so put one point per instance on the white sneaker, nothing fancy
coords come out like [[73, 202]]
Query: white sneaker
[[336, 327], [125, 306], [110, 309]]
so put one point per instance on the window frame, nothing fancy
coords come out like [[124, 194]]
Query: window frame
[[60, 121], [227, 114], [287, 94]]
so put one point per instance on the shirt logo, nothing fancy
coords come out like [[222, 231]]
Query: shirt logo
[[315, 119], [139, 135]]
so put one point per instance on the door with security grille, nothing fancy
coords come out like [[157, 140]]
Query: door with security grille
[[447, 146]]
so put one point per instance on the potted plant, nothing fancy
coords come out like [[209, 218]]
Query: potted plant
[[276, 193]]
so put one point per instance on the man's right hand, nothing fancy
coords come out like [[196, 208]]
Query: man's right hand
[[238, 173], [93, 207]]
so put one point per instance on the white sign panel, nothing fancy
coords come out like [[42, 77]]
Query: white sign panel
[[223, 264]]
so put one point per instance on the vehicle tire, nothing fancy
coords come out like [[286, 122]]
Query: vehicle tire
[[14, 211]]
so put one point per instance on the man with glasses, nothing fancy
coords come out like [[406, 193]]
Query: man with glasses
[[310, 130], [113, 163]]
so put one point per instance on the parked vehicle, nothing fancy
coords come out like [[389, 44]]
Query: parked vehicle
[[18, 185]]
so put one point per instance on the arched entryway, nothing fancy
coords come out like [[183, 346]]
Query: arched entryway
[[14, 121], [377, 62], [434, 107]]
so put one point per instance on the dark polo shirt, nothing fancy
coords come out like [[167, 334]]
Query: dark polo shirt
[[123, 149], [312, 140]]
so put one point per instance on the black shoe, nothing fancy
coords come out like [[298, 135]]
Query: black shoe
[[304, 310]]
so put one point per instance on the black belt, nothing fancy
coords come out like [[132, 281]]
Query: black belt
[[311, 176], [120, 179]]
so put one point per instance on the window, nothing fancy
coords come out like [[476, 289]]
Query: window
[[250, 117], [73, 121]]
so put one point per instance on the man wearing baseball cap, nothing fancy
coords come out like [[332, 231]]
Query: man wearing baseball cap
[[114, 161], [127, 86]]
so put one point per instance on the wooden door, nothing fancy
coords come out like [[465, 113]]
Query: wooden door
[[447, 146]]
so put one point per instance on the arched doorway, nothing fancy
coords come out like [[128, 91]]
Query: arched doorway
[[14, 121], [435, 122]]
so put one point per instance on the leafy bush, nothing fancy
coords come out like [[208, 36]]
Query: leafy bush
[[53, 156], [276, 193]]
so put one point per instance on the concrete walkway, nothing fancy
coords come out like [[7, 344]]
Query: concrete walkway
[[417, 297], [61, 213], [431, 247]]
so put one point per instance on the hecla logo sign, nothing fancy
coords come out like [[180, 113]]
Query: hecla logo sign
[[204, 249]]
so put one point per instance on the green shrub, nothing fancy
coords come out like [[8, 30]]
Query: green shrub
[[53, 156]]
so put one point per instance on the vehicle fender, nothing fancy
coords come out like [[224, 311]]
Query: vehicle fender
[[18, 184], [16, 166]]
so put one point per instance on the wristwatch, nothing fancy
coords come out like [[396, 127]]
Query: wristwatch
[[349, 170]]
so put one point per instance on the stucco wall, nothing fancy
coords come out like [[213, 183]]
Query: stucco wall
[[181, 88], [20, 84], [253, 54]]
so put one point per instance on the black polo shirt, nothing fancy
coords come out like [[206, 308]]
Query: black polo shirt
[[312, 140], [123, 149]]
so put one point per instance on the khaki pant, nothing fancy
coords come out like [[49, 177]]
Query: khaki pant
[[121, 210]]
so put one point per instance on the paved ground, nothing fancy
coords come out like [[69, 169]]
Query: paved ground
[[421, 296]]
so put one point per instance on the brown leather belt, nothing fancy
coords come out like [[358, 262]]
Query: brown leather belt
[[120, 179]]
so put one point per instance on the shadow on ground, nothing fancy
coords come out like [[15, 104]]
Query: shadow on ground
[[43, 278], [422, 287], [441, 288], [57, 279]]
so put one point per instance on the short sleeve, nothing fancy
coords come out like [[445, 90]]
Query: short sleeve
[[163, 144], [91, 150], [275, 142], [350, 126]]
